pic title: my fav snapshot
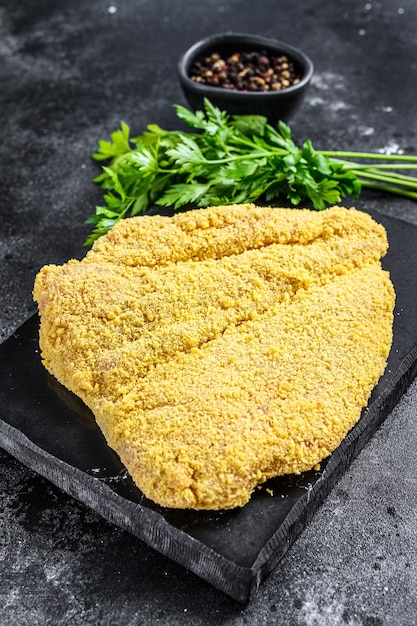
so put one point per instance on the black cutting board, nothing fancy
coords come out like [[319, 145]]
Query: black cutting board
[[51, 431]]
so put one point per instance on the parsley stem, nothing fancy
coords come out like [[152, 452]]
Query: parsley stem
[[234, 157], [395, 190], [251, 144], [379, 166], [408, 181], [381, 171], [369, 155]]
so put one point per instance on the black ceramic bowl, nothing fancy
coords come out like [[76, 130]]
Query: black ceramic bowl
[[275, 105]]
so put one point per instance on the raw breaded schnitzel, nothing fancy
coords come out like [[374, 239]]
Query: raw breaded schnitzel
[[222, 346]]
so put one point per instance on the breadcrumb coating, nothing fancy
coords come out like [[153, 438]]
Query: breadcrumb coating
[[221, 347]]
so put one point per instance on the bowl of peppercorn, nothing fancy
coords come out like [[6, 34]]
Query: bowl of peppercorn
[[245, 74]]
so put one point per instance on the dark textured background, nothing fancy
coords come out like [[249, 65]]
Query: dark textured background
[[69, 72]]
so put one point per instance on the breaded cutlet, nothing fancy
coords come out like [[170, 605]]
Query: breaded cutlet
[[220, 347]]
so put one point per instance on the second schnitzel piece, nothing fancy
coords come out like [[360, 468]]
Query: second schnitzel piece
[[223, 346]]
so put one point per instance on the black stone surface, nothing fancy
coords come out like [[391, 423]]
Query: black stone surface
[[52, 432], [69, 72]]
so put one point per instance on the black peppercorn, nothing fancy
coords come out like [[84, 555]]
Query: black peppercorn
[[246, 71]]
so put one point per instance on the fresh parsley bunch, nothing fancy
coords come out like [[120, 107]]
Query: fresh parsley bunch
[[228, 160]]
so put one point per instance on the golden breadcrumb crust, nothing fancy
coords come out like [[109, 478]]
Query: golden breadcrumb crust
[[222, 346]]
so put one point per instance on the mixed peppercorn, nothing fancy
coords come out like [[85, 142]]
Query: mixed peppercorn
[[246, 71]]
